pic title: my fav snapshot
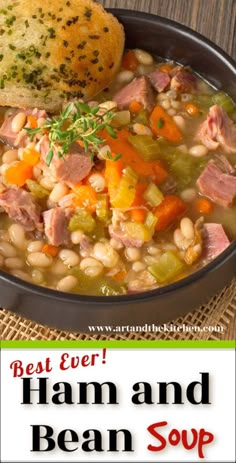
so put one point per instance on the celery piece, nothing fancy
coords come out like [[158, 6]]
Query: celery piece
[[224, 100], [150, 222], [82, 220], [147, 148], [102, 210], [138, 231], [204, 102], [126, 191], [185, 168], [153, 195], [142, 117], [167, 268], [37, 190]]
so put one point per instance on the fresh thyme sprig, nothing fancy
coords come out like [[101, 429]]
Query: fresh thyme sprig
[[77, 122]]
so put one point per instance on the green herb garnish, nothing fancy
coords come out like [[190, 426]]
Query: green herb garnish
[[77, 122]]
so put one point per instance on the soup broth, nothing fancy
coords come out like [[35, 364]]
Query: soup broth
[[123, 194]]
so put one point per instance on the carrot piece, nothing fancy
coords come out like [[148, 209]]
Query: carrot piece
[[130, 157], [50, 250], [18, 173], [113, 174], [119, 275], [130, 61], [203, 206], [32, 122], [135, 107], [31, 156], [139, 190], [165, 68], [168, 211], [138, 215], [85, 197], [192, 109], [163, 125]]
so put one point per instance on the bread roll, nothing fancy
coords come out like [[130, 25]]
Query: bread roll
[[54, 51]]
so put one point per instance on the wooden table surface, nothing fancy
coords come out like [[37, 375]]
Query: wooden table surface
[[215, 19]]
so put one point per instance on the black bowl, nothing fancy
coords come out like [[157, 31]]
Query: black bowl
[[169, 40]]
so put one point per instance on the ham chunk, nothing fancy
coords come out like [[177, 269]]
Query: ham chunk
[[218, 130], [217, 185], [21, 207], [71, 169], [138, 90], [159, 80], [18, 139], [121, 236], [183, 81], [56, 223], [215, 240]]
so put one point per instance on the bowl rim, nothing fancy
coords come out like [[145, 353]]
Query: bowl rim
[[198, 275]]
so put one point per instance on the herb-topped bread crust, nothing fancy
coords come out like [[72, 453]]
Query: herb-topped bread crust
[[54, 51]]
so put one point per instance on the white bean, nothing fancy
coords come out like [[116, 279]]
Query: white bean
[[150, 260], [58, 268], [4, 235], [153, 250], [37, 276], [172, 94], [187, 228], [188, 195], [116, 244], [171, 112], [106, 254], [186, 97], [7, 250], [175, 104], [124, 77], [69, 257], [138, 266], [180, 241], [10, 156], [14, 263], [198, 151], [47, 182], [102, 154], [39, 259], [180, 122], [141, 129], [132, 254], [35, 246], [20, 274], [37, 172], [108, 105], [67, 283], [91, 267], [17, 235], [59, 191], [165, 104], [97, 182], [18, 122], [1, 260], [143, 57], [76, 236], [162, 96]]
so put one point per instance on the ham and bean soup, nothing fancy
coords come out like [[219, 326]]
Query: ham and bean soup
[[124, 194]]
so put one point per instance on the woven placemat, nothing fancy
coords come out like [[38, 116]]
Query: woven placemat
[[213, 321]]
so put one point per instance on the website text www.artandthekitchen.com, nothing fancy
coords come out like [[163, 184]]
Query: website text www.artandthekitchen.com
[[118, 404]]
